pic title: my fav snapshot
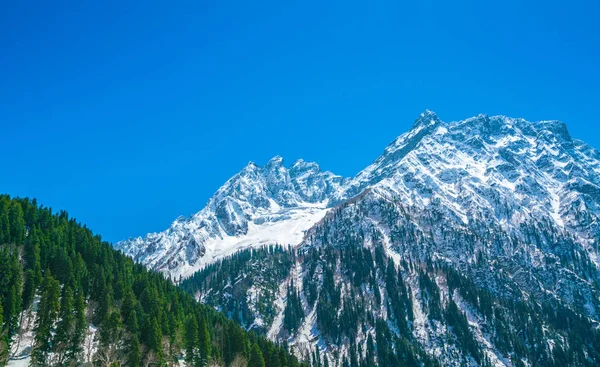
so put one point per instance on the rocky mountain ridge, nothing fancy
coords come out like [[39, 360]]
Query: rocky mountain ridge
[[258, 206], [503, 169]]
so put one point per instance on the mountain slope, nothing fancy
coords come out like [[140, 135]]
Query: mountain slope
[[376, 267], [480, 218], [67, 298], [258, 206], [502, 169], [465, 243]]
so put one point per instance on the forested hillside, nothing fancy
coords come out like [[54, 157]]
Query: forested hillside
[[373, 286], [246, 286], [67, 298]]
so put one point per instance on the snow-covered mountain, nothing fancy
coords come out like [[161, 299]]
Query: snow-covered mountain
[[465, 243], [258, 206], [427, 252], [503, 169]]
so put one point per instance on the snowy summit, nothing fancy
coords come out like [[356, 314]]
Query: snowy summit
[[504, 169]]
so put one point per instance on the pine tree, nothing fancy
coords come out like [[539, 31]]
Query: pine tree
[[134, 355], [173, 334], [64, 328], [31, 256], [12, 311], [272, 357], [191, 341], [111, 328], [353, 356], [256, 357], [317, 358], [28, 290], [106, 302], [79, 330], [12, 287], [3, 339], [132, 323], [4, 222], [370, 350], [293, 313], [111, 337], [17, 223], [47, 313], [128, 306], [203, 342], [153, 335], [235, 343]]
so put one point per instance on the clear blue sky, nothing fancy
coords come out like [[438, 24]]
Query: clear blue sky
[[128, 115]]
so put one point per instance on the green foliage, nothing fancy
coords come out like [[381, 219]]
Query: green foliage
[[65, 328], [293, 314], [45, 323], [431, 294], [10, 289], [141, 315], [262, 269], [3, 339], [134, 356], [79, 329], [460, 327], [520, 327], [204, 347], [256, 357], [235, 343], [16, 223], [191, 340]]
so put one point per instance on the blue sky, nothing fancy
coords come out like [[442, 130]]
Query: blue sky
[[128, 115]]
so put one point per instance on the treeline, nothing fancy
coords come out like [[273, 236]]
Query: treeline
[[350, 318], [520, 328], [293, 314], [81, 284], [225, 284]]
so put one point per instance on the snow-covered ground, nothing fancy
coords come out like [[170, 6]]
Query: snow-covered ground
[[23, 342], [256, 207], [24, 362], [289, 231], [280, 306]]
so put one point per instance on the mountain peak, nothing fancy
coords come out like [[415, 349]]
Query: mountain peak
[[426, 119], [558, 128], [277, 160], [301, 165], [466, 166], [250, 169], [428, 112]]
